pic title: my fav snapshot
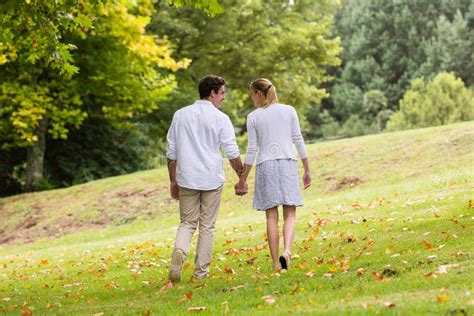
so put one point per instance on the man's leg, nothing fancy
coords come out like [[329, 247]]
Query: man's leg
[[189, 207], [210, 202]]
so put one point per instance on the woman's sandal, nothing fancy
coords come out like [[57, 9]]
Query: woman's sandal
[[285, 261]]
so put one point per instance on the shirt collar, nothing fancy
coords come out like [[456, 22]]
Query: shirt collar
[[204, 102]]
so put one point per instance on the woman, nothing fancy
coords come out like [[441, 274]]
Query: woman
[[272, 129]]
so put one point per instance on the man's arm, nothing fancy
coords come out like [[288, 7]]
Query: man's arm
[[174, 189], [237, 165], [171, 155]]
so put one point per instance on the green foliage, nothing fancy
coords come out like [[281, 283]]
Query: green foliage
[[451, 49], [389, 43], [98, 150], [290, 45], [356, 126], [74, 54], [442, 101]]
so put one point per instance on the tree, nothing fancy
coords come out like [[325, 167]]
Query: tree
[[451, 49], [292, 45], [386, 44], [444, 100], [62, 61]]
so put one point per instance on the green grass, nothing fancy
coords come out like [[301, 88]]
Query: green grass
[[401, 234]]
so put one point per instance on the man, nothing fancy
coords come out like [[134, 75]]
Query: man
[[195, 168]]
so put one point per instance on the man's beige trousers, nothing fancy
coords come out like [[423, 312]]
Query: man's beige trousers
[[198, 208]]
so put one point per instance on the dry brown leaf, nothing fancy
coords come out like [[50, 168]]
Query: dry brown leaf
[[389, 304], [327, 275], [228, 270], [25, 311], [251, 260], [200, 286], [360, 271], [427, 244]]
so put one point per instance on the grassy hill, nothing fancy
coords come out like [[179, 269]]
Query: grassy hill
[[386, 228]]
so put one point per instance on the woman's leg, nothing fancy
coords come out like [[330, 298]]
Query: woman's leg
[[272, 234], [289, 217]]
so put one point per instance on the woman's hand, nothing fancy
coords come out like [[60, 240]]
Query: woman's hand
[[306, 179], [174, 190]]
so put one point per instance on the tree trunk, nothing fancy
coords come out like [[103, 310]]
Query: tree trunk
[[35, 158]]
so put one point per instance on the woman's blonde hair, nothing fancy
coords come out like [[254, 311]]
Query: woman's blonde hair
[[266, 87]]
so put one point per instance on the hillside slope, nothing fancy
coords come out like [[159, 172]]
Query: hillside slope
[[386, 229], [370, 161]]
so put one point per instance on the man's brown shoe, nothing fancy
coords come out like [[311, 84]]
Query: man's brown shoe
[[176, 269]]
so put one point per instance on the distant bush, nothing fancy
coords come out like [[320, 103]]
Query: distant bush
[[444, 100]]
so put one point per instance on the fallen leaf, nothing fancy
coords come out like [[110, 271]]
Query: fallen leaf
[[310, 274], [186, 297], [196, 309], [442, 299], [269, 299], [377, 276], [251, 260], [427, 244], [228, 270], [165, 287], [443, 269], [225, 307], [327, 275], [389, 304], [25, 311], [236, 288], [360, 271]]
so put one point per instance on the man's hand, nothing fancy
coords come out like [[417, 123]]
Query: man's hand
[[241, 188], [174, 190], [306, 179]]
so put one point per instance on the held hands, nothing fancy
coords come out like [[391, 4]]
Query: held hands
[[306, 179], [241, 188], [174, 190]]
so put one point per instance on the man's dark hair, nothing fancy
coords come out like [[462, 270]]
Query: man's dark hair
[[210, 83]]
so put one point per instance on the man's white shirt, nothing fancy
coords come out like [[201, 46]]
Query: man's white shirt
[[194, 138]]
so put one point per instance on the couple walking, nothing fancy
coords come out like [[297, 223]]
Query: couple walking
[[195, 167]]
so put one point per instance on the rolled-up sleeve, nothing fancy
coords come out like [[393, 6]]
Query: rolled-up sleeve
[[171, 138], [252, 142], [227, 140], [296, 136]]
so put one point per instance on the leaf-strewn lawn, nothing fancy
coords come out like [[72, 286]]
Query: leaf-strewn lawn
[[387, 228]]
